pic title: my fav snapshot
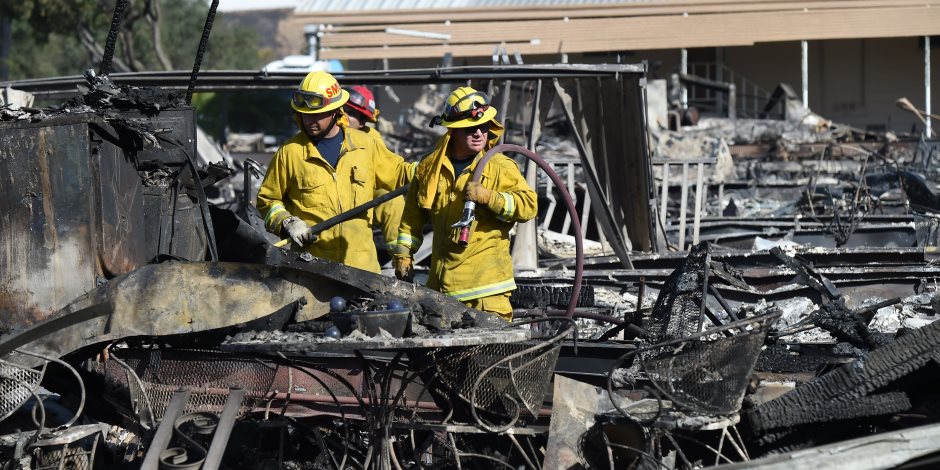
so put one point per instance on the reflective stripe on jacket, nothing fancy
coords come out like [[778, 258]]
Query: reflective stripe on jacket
[[484, 266], [300, 182]]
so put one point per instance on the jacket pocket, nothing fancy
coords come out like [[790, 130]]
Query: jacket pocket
[[361, 190], [314, 192]]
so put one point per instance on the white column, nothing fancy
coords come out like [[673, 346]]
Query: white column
[[684, 69], [805, 53], [927, 83]]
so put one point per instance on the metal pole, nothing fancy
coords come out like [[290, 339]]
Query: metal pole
[[684, 68], [683, 204], [699, 201], [165, 432], [805, 53], [664, 199], [312, 33], [223, 429], [927, 84]]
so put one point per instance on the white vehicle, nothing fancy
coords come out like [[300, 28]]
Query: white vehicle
[[303, 63]]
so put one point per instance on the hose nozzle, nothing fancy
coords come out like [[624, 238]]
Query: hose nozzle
[[466, 219]]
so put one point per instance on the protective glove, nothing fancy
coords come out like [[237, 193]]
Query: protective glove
[[477, 193], [298, 231], [404, 268]]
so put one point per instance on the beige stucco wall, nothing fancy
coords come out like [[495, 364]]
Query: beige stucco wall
[[853, 81]]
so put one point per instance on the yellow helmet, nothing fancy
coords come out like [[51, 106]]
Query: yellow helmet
[[319, 92], [465, 107]]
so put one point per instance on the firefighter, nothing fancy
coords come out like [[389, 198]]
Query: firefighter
[[479, 274], [359, 110], [324, 170]]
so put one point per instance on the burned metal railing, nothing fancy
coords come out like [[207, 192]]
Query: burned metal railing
[[568, 170], [700, 196]]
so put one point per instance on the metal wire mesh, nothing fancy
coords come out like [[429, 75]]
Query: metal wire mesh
[[207, 374], [496, 378], [16, 384], [77, 455], [677, 312], [707, 373]]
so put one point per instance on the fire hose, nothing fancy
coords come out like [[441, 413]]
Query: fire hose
[[469, 212]]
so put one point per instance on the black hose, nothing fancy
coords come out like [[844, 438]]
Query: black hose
[[569, 203], [105, 67], [202, 50], [344, 216]]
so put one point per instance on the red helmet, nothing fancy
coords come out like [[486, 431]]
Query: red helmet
[[362, 100]]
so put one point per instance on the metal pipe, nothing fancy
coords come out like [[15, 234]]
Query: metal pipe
[[804, 48], [683, 202], [223, 429], [418, 34], [641, 292], [165, 432], [699, 201], [664, 198], [724, 303]]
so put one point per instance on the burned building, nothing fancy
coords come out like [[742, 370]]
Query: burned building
[[716, 289]]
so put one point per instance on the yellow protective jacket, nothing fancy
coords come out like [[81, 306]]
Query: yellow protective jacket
[[300, 182], [483, 267], [388, 215]]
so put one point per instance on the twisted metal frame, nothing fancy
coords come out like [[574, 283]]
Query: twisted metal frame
[[658, 392], [305, 367], [140, 384]]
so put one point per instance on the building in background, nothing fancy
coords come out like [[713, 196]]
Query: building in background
[[861, 55]]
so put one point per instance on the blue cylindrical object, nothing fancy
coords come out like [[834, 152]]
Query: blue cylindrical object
[[333, 332], [395, 304], [337, 304]]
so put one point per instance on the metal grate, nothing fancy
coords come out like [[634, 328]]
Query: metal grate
[[76, 455], [207, 374], [16, 386]]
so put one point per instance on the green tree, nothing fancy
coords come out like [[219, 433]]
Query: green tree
[[64, 37]]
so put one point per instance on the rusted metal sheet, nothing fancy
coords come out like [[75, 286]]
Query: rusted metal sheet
[[83, 201], [178, 298], [164, 299], [119, 198], [47, 237]]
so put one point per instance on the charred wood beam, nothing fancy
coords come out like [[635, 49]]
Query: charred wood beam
[[827, 290], [855, 380]]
